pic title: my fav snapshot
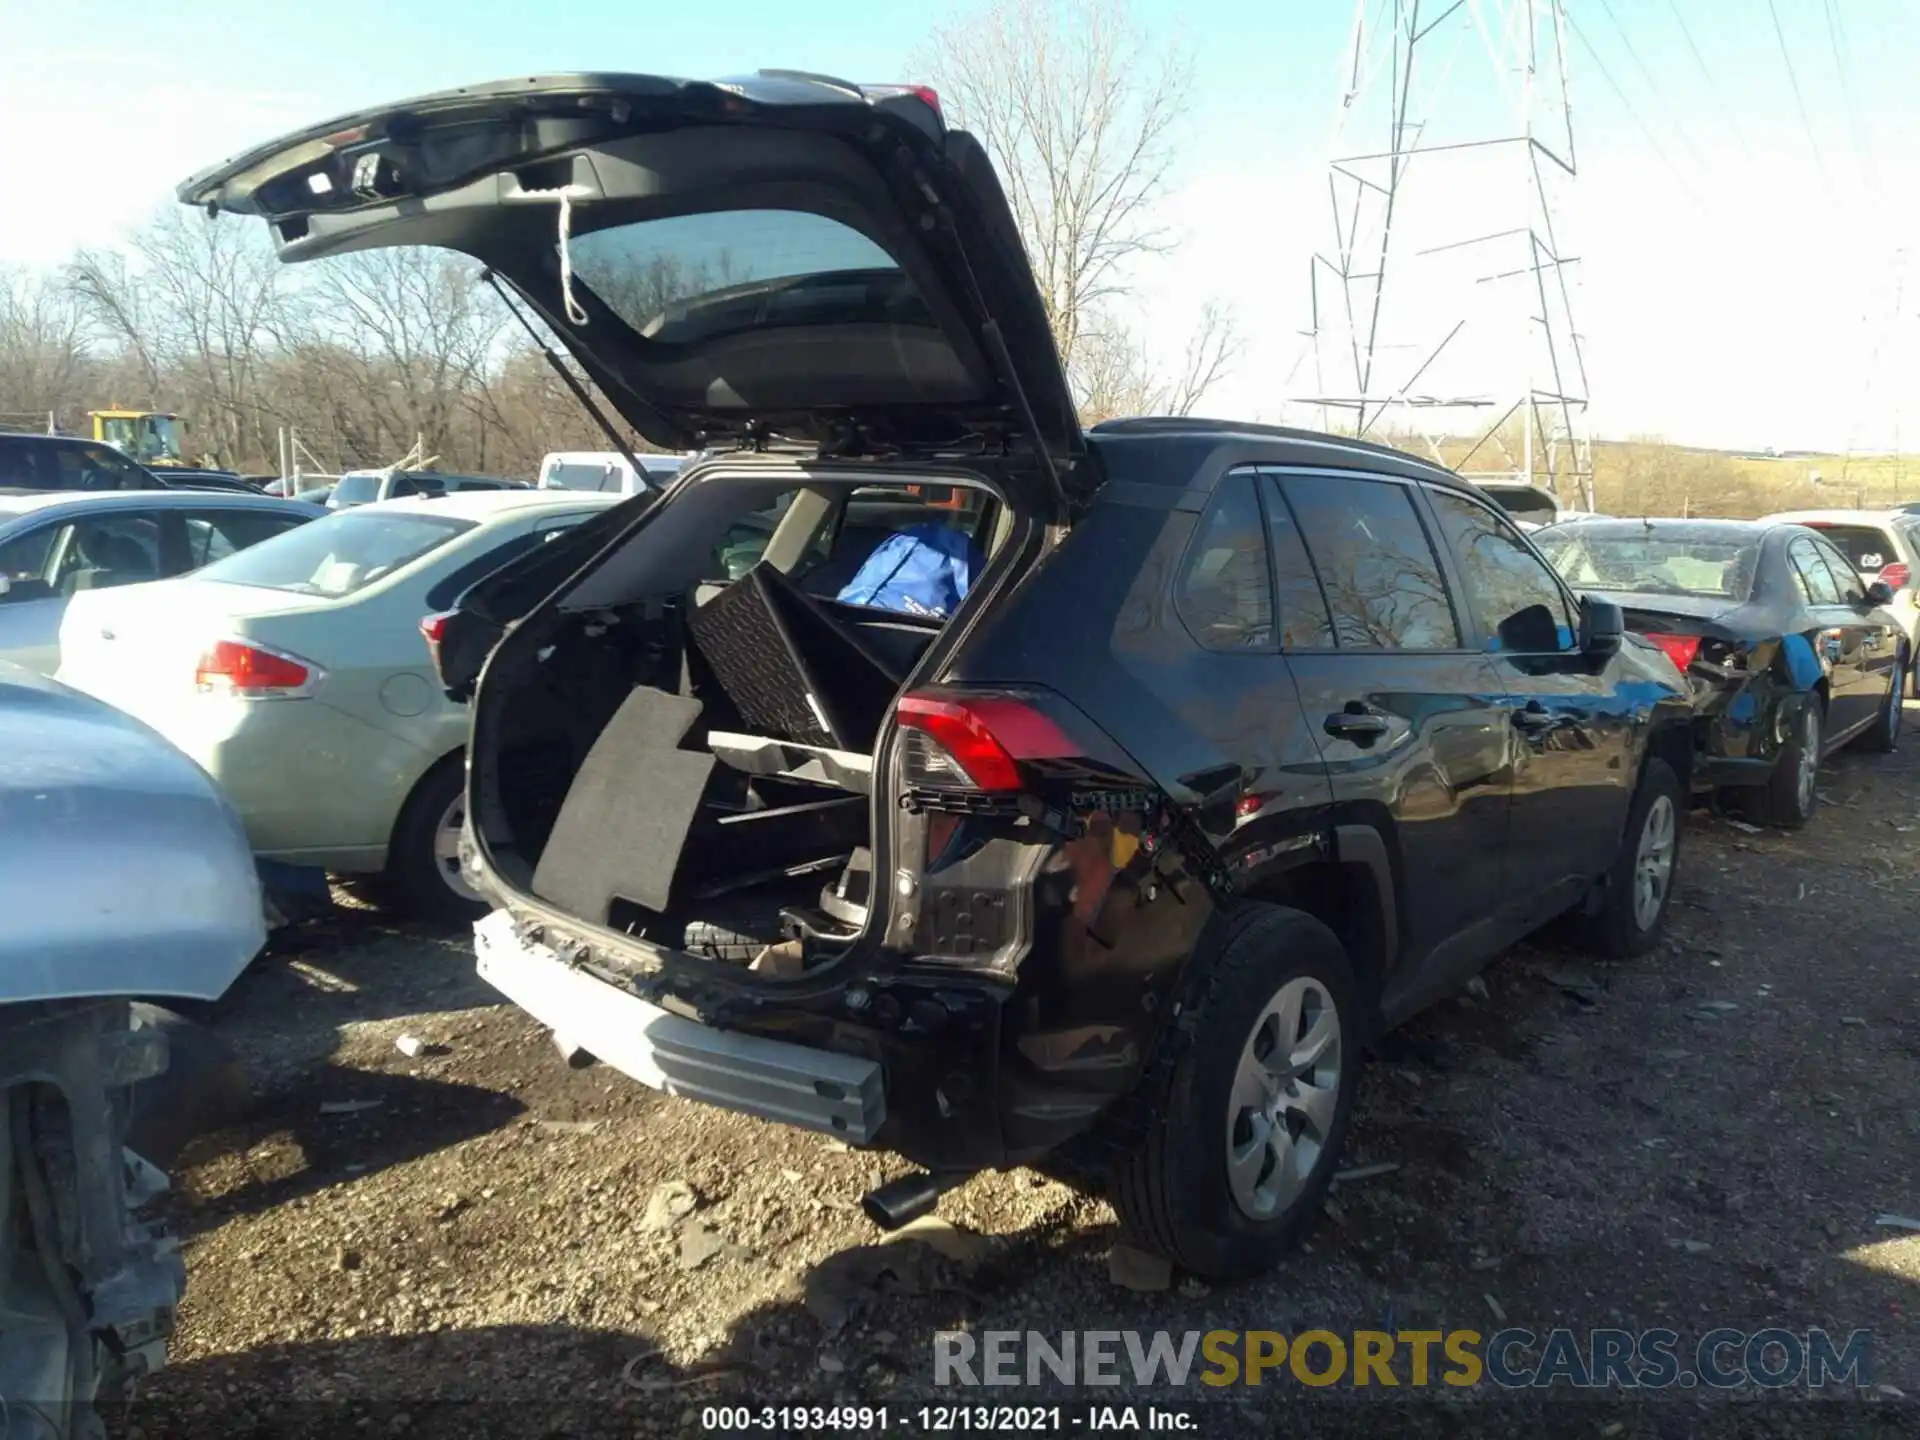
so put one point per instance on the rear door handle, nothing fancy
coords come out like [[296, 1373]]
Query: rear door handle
[[1357, 725], [1533, 718]]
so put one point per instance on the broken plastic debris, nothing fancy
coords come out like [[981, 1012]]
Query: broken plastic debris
[[1494, 1306], [1897, 1222], [1365, 1172], [348, 1107]]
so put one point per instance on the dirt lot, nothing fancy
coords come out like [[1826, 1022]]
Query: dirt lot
[[1702, 1138]]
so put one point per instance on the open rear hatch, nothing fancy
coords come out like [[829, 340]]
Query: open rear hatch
[[782, 257], [669, 744]]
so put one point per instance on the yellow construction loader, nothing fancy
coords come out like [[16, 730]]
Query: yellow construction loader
[[151, 437]]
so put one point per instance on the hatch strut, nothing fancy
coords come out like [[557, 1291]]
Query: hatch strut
[[996, 340], [567, 376]]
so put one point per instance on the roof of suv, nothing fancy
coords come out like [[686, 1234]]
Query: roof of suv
[[1283, 445]]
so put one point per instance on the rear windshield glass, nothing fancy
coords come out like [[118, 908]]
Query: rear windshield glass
[[1869, 547], [584, 475], [357, 490], [338, 555], [1651, 564], [684, 279]]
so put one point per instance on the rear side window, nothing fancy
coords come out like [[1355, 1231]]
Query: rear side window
[[1816, 583], [1845, 575], [1514, 596], [1382, 581], [1304, 621], [1225, 593]]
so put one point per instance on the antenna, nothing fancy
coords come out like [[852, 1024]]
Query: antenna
[[1444, 308]]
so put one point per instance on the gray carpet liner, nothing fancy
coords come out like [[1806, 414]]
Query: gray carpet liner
[[626, 817]]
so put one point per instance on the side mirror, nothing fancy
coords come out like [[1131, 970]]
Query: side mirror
[[6, 586], [1601, 626], [1878, 593]]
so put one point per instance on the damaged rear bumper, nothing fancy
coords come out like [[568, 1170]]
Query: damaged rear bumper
[[842, 1095]]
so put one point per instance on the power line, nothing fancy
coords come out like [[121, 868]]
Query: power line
[[1713, 86], [1653, 140], [1799, 100], [1843, 65], [1659, 91]]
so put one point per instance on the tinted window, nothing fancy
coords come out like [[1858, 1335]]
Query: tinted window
[[1513, 594], [1816, 583], [105, 552], [25, 465], [683, 279], [1844, 575], [338, 555], [215, 534], [95, 467], [1224, 593], [1304, 622], [1868, 547], [1375, 563], [23, 561]]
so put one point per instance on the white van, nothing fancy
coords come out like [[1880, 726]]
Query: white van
[[607, 471]]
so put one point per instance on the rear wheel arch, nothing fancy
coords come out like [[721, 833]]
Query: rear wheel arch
[[1353, 894]]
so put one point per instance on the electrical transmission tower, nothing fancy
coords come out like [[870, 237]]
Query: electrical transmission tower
[[1442, 315]]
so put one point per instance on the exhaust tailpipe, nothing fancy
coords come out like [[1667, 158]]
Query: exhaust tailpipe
[[900, 1202]]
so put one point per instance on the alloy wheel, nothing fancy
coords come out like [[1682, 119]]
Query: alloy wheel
[[1653, 861], [446, 850], [1286, 1092], [1808, 778]]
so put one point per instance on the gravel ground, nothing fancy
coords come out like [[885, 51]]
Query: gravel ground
[[1701, 1138]]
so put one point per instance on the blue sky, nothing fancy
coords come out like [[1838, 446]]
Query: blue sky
[[1737, 268]]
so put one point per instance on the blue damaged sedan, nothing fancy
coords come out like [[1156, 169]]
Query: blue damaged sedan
[[1789, 652]]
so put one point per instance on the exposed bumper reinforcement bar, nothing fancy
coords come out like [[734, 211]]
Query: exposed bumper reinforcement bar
[[842, 1095]]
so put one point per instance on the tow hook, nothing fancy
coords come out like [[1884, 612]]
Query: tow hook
[[900, 1202]]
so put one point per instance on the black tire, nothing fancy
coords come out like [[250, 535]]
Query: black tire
[[1171, 1187], [1620, 928], [414, 873], [1784, 801], [1883, 736]]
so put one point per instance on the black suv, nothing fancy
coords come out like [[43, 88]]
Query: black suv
[[63, 462], [1222, 749]]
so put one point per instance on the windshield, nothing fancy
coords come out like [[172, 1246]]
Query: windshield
[[1649, 563], [1870, 548], [338, 555]]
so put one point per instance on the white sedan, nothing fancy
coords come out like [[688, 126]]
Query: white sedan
[[296, 673]]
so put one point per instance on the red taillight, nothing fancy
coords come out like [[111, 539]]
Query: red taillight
[[1680, 648], [924, 93], [980, 740], [1896, 576], [434, 627], [241, 669]]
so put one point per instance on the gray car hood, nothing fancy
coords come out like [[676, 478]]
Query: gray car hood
[[123, 869]]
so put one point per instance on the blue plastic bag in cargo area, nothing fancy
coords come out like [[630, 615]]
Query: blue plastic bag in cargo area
[[922, 570]]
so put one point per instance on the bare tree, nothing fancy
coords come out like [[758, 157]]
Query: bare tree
[[1078, 112], [1117, 375], [45, 366], [200, 306], [1079, 109]]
